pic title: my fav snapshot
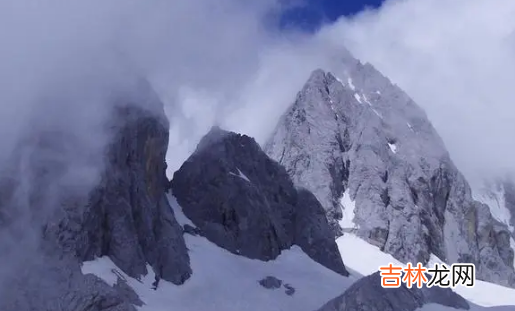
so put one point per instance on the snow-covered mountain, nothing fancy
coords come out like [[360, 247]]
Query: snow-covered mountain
[[374, 161], [354, 177]]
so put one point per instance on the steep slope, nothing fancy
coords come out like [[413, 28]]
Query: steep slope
[[368, 153], [246, 203], [499, 195], [225, 281], [222, 280], [48, 227], [370, 257]]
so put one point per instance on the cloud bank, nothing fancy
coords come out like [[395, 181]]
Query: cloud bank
[[456, 59], [225, 63]]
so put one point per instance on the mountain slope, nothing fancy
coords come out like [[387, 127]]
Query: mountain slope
[[246, 203], [49, 224], [225, 281], [368, 153]]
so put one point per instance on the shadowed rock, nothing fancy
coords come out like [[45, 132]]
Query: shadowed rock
[[271, 282], [367, 294], [246, 203]]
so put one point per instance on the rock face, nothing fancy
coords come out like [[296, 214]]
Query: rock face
[[246, 203], [379, 169], [128, 217], [49, 283], [125, 217], [367, 294]]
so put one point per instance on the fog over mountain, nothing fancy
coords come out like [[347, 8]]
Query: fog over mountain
[[227, 63], [65, 66]]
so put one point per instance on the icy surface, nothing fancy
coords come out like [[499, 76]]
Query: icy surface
[[225, 281], [348, 207], [241, 175], [366, 259], [393, 147], [494, 198]]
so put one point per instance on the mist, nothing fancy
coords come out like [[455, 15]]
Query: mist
[[456, 59], [63, 62]]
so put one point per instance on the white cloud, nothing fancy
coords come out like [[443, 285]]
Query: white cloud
[[220, 63], [61, 63], [456, 59]]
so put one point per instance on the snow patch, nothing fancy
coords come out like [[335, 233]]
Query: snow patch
[[366, 100], [352, 87], [104, 268], [339, 80], [225, 281], [241, 175], [177, 211], [364, 258], [377, 113], [358, 98], [494, 198], [348, 208], [393, 147], [409, 125]]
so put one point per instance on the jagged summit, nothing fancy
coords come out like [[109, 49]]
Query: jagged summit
[[377, 165], [246, 203], [125, 216]]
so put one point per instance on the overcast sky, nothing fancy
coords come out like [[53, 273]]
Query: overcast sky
[[455, 58], [227, 63]]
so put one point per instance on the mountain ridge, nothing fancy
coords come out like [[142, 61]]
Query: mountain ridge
[[367, 139]]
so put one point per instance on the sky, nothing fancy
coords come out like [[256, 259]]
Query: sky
[[310, 15], [458, 69], [239, 64]]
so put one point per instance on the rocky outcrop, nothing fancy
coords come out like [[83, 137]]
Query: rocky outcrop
[[380, 170], [246, 203], [128, 217], [51, 221], [494, 247], [368, 294], [47, 283]]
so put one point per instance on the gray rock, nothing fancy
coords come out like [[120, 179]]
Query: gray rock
[[367, 294], [49, 223], [509, 196], [290, 290], [362, 136], [246, 203], [127, 293], [313, 233], [131, 229], [191, 230], [494, 247], [47, 283], [271, 282]]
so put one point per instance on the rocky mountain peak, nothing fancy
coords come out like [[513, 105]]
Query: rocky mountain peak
[[380, 170], [245, 202]]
